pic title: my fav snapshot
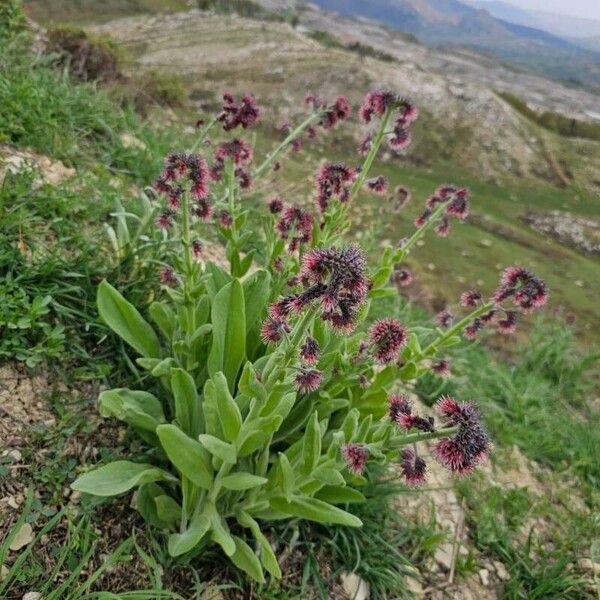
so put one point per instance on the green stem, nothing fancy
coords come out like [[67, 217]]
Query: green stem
[[458, 327], [292, 135], [200, 139], [420, 232], [421, 436]]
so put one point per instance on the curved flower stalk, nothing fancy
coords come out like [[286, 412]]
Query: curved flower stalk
[[275, 390]]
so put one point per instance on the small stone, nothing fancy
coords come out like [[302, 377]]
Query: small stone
[[15, 454], [484, 575], [485, 243], [12, 502], [501, 571], [414, 585], [354, 587], [443, 556], [579, 283], [32, 596], [4, 572], [585, 564], [23, 537], [431, 266], [211, 593], [130, 141]]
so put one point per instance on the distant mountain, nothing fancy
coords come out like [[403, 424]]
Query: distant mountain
[[560, 25], [452, 23]]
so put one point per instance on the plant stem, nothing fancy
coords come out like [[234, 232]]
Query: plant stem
[[200, 139], [412, 438], [418, 234], [292, 135], [458, 327]]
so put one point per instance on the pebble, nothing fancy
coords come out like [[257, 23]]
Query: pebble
[[354, 587], [484, 575], [501, 571], [23, 537], [585, 564], [32, 596]]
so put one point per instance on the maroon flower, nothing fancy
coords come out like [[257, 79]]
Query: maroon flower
[[403, 277], [401, 196], [445, 318], [470, 298], [363, 381], [314, 101], [308, 380], [309, 351], [338, 111], [387, 337], [237, 150], [225, 219], [232, 114], [526, 289], [488, 317], [470, 445], [471, 330], [164, 220], [333, 180], [276, 166], [275, 205], [441, 367], [378, 185], [355, 456], [443, 227], [413, 467], [197, 249], [508, 325], [399, 404], [168, 277], [273, 329], [295, 224], [365, 145], [202, 209], [422, 218]]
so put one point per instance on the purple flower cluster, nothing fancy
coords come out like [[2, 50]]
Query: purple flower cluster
[[244, 114], [183, 172], [240, 153], [355, 456], [333, 180], [334, 278], [470, 445], [387, 337], [294, 225], [527, 291], [378, 102], [400, 412], [456, 200]]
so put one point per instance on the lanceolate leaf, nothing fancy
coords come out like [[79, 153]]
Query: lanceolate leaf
[[228, 349], [118, 477], [229, 413], [186, 401], [245, 559], [242, 481], [186, 454], [267, 556], [140, 409], [180, 543], [125, 320], [336, 494], [315, 510], [218, 448], [257, 288]]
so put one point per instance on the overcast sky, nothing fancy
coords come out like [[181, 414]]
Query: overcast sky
[[589, 9]]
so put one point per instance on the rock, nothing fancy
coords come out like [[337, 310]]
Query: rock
[[130, 141], [414, 585], [354, 587], [585, 564], [211, 593], [501, 571], [32, 596], [23, 537], [443, 555], [484, 575], [15, 455], [486, 243], [3, 572]]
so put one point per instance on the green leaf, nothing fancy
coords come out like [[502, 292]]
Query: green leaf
[[229, 412], [209, 408], [311, 447], [288, 478], [315, 510], [186, 401], [336, 494], [186, 454], [180, 543], [140, 409], [245, 559], [168, 510], [125, 320], [164, 317], [328, 475], [218, 279], [267, 556], [118, 477], [146, 505], [218, 448], [242, 481], [228, 348], [220, 531], [257, 288]]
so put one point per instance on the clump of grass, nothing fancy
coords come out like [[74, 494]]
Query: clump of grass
[[330, 41], [554, 121]]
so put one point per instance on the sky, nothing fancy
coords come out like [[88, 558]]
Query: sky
[[587, 9]]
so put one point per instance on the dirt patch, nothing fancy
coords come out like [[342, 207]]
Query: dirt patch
[[51, 172]]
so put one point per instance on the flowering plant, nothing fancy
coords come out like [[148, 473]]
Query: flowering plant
[[274, 393]]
